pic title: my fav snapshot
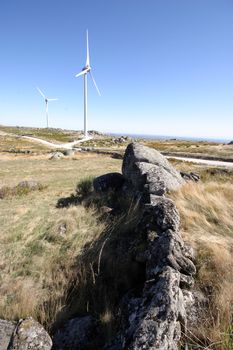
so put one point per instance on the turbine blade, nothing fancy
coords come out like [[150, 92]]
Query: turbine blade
[[52, 99], [81, 73], [41, 92], [88, 54], [95, 83]]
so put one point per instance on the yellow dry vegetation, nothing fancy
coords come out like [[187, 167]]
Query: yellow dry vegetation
[[40, 243], [207, 223]]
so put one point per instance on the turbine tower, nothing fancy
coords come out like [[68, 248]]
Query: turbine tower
[[84, 72], [47, 100]]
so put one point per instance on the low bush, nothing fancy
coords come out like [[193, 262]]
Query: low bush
[[85, 187], [23, 188]]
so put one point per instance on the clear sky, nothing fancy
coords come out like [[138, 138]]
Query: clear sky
[[164, 67]]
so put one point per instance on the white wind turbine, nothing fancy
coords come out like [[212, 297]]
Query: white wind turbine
[[47, 100], [84, 72]]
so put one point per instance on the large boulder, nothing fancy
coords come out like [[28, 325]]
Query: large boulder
[[30, 335], [149, 171]]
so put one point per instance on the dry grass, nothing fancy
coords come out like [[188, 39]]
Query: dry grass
[[207, 223], [48, 134], [39, 242], [16, 144], [195, 148]]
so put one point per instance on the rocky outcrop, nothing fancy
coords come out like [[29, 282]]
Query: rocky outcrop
[[27, 334], [155, 318], [149, 171]]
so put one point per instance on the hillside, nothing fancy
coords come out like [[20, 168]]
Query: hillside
[[60, 245]]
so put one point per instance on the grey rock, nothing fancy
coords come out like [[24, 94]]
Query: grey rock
[[69, 152], [30, 335], [30, 184], [162, 214], [194, 302], [109, 181], [57, 155], [145, 166], [6, 330], [186, 281], [75, 333], [153, 324], [167, 250]]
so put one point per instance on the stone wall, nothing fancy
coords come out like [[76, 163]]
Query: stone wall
[[156, 318]]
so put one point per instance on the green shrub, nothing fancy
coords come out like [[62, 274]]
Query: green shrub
[[85, 187]]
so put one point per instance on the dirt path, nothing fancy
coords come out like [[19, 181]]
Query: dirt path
[[68, 145], [204, 161]]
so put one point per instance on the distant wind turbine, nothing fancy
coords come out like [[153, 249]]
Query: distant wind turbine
[[47, 100], [85, 70]]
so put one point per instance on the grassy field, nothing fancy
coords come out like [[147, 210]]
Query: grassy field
[[194, 148], [54, 135], [14, 144], [40, 243]]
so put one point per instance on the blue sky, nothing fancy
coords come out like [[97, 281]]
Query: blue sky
[[164, 67]]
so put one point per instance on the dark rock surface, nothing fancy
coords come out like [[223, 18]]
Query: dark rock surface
[[76, 334], [111, 181], [190, 176]]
